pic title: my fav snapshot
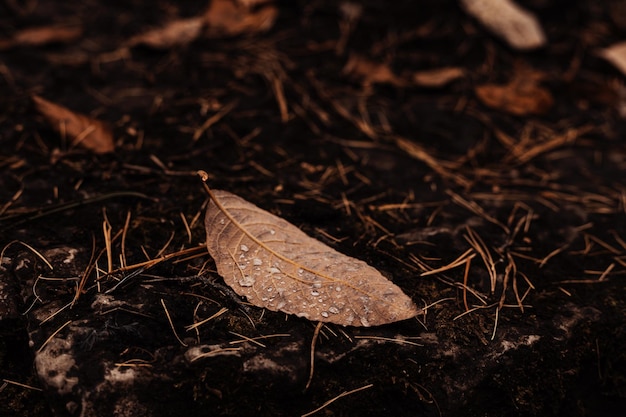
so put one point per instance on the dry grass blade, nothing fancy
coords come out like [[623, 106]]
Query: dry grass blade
[[277, 266]]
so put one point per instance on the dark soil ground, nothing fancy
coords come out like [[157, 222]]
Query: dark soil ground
[[528, 322]]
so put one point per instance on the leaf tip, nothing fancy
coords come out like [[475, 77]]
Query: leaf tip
[[204, 176]]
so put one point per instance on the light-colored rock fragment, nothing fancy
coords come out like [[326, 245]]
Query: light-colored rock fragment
[[504, 18]]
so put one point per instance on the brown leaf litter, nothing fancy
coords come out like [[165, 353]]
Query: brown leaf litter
[[42, 35], [522, 95], [81, 130]]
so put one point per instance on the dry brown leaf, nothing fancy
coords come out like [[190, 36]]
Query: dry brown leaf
[[277, 266], [437, 78], [523, 95], [82, 130], [232, 18], [371, 72], [506, 19], [175, 33], [42, 35], [616, 55]]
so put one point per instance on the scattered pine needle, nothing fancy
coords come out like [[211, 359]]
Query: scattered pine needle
[[152, 262], [217, 352], [463, 259], [200, 323], [313, 342], [187, 228], [476, 209], [495, 323], [33, 250], [248, 339], [167, 313], [134, 363], [214, 119], [468, 264], [52, 335], [551, 255], [254, 339], [332, 400], [389, 339], [19, 384], [51, 316], [479, 245], [106, 230], [124, 232]]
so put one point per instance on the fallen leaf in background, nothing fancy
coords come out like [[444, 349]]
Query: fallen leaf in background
[[42, 35], [175, 33], [231, 17], [616, 55], [437, 78], [506, 19], [523, 95], [222, 18], [81, 130], [370, 72], [275, 265]]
